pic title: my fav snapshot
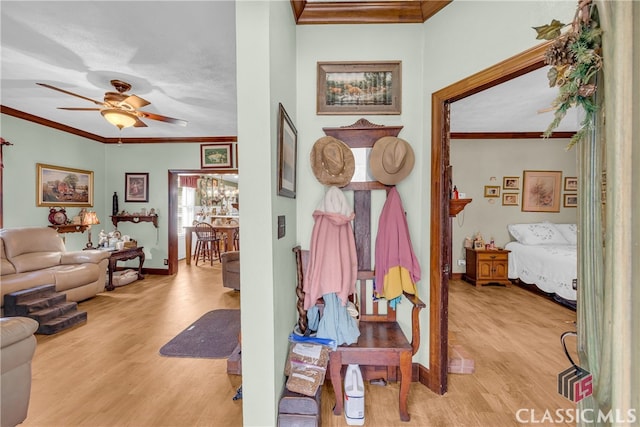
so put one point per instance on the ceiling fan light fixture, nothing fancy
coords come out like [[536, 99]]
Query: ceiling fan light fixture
[[118, 118]]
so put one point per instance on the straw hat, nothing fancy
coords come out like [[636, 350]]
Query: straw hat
[[391, 160], [332, 161]]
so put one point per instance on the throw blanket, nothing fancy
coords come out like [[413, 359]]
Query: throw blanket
[[397, 267], [333, 265]]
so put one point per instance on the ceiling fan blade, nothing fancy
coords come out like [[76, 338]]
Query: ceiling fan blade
[[70, 93], [78, 109], [158, 117], [139, 124], [135, 101]]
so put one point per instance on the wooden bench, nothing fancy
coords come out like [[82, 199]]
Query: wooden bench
[[381, 343], [382, 348]]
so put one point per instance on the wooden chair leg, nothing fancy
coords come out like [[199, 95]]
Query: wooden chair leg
[[405, 384], [335, 366], [198, 253]]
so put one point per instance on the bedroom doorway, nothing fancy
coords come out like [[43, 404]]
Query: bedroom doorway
[[440, 245]]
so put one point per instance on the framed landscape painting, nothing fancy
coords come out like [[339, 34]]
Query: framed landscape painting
[[63, 186], [216, 156], [359, 88]]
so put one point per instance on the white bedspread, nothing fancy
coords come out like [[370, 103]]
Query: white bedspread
[[552, 268]]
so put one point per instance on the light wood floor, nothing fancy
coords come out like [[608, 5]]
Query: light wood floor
[[108, 372]]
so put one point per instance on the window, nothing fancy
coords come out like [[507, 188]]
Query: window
[[186, 208]]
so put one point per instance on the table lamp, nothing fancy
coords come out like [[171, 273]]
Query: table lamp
[[90, 218]]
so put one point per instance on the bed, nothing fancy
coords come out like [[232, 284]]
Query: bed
[[545, 255]]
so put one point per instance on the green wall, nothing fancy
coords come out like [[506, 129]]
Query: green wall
[[277, 63]]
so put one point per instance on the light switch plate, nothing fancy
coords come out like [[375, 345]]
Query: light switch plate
[[281, 226]]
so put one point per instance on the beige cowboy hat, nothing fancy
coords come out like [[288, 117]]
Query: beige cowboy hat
[[332, 161], [391, 160]]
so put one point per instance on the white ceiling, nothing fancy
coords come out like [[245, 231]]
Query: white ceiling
[[511, 107], [180, 56]]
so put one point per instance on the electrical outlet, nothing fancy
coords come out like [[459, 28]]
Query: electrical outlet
[[462, 262], [166, 262]]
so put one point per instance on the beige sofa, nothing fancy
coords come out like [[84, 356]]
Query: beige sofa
[[17, 346], [35, 256]]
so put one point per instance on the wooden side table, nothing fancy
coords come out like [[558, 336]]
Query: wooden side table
[[124, 255], [487, 266]]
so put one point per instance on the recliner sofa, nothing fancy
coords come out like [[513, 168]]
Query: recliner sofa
[[35, 256], [231, 269], [17, 346]]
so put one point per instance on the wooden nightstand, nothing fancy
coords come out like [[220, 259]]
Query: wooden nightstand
[[487, 266]]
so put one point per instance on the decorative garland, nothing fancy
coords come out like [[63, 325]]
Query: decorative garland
[[575, 58]]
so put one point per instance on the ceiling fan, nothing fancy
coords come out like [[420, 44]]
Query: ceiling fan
[[119, 108]]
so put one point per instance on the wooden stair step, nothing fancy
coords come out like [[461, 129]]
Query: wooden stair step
[[26, 307], [19, 297], [63, 322], [47, 314]]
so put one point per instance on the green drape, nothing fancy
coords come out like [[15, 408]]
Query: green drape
[[609, 241]]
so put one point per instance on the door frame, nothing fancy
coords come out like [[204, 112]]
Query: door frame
[[172, 176], [440, 244]]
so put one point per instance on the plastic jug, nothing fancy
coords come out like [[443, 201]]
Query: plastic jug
[[354, 396]]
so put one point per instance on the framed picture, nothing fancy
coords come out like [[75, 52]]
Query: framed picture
[[359, 87], [570, 183], [287, 154], [216, 156], [478, 245], [136, 187], [541, 191], [511, 183], [491, 191], [62, 186], [570, 200], [510, 199]]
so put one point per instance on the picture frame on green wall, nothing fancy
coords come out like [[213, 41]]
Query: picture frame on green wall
[[287, 154], [63, 186], [359, 87]]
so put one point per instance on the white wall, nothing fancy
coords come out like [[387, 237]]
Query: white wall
[[266, 76], [475, 162]]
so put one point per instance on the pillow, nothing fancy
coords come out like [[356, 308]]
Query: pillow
[[569, 232], [544, 233]]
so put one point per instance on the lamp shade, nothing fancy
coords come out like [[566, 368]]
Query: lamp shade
[[90, 218], [120, 119]]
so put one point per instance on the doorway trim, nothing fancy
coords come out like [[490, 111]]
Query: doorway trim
[[440, 245], [172, 185]]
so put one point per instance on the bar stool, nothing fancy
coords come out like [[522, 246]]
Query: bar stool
[[208, 243], [236, 240]]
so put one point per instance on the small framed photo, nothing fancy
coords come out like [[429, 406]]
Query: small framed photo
[[510, 199], [359, 87], [570, 183], [511, 183], [570, 200], [287, 154], [491, 191], [216, 156], [136, 187], [478, 245]]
